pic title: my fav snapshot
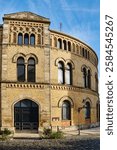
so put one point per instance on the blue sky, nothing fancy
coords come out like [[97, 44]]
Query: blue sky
[[79, 18]]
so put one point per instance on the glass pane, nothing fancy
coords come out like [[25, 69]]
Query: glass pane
[[20, 60], [60, 76], [25, 103], [32, 39], [20, 39], [26, 39], [17, 104], [67, 76], [21, 72], [31, 73], [31, 61]]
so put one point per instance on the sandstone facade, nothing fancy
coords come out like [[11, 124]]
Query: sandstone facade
[[64, 86]]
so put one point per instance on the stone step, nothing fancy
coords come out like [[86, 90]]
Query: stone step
[[26, 136]]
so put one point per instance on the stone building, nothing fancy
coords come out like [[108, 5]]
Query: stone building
[[47, 78]]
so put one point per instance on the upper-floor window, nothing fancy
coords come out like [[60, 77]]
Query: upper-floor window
[[64, 45], [31, 70], [61, 78], [26, 39], [66, 110], [32, 39], [20, 39], [26, 71], [59, 44], [20, 69], [68, 74], [89, 79], [85, 77], [69, 46]]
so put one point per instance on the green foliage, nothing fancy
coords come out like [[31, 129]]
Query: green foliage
[[56, 135], [4, 134], [52, 135]]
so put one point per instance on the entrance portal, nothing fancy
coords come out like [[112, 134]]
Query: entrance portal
[[26, 115]]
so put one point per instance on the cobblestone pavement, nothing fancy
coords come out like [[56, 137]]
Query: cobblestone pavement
[[82, 142]]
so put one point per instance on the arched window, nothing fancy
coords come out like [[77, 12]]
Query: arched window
[[89, 79], [85, 77], [83, 52], [20, 69], [20, 39], [69, 46], [88, 110], [74, 48], [26, 39], [66, 110], [68, 74], [31, 70], [59, 44], [96, 83], [32, 39], [98, 111], [61, 78], [64, 45], [55, 42]]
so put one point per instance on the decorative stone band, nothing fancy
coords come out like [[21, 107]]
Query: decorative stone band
[[53, 87]]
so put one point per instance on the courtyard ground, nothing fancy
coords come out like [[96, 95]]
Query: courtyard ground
[[88, 140]]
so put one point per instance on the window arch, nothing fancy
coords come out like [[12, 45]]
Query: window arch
[[88, 110], [26, 39], [69, 46], [89, 79], [74, 48], [59, 44], [85, 77], [31, 70], [20, 69], [32, 39], [68, 74], [20, 39], [66, 110], [83, 52], [96, 83], [98, 111], [64, 45], [55, 42], [61, 72]]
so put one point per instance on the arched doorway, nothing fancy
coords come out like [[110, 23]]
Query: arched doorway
[[26, 115]]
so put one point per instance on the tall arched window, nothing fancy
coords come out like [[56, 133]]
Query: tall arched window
[[88, 110], [64, 45], [20, 69], [98, 111], [68, 74], [55, 42], [69, 46], [66, 110], [89, 79], [74, 48], [59, 44], [32, 39], [31, 70], [26, 39], [61, 78], [85, 77], [96, 83], [20, 39], [83, 52]]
